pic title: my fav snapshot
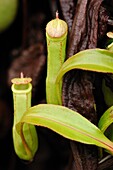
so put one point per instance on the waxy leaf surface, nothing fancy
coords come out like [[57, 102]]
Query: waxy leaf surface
[[106, 120], [67, 123], [98, 60]]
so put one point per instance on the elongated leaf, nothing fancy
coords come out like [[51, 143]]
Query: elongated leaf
[[106, 120], [98, 60], [67, 123]]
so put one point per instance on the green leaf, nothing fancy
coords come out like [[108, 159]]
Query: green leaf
[[106, 123], [106, 119], [67, 123], [98, 60]]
